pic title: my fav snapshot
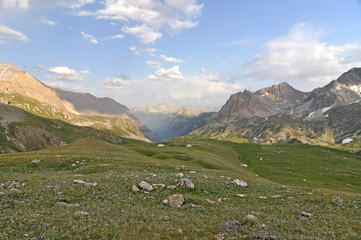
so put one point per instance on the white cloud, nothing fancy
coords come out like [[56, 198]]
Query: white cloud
[[301, 59], [90, 38], [119, 36], [140, 50], [45, 21], [13, 4], [8, 33], [39, 68], [169, 59], [169, 74], [117, 82], [65, 86], [63, 73], [145, 34], [63, 3], [146, 19]]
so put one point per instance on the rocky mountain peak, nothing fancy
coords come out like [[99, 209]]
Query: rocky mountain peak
[[8, 71], [351, 77]]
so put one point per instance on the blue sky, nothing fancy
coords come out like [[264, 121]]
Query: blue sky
[[186, 52]]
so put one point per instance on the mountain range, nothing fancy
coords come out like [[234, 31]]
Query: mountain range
[[324, 116], [31, 110]]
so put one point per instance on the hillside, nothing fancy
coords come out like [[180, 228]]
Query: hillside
[[84, 191], [324, 116], [20, 89]]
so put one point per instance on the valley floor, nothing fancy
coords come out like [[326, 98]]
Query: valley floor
[[41, 200]]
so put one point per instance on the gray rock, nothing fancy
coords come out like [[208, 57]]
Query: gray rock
[[241, 195], [171, 187], [241, 183], [73, 205], [243, 165], [35, 161], [37, 238], [210, 201], [337, 199], [232, 226], [160, 145], [61, 204], [94, 184], [306, 214], [159, 185], [180, 175], [251, 217], [81, 213], [189, 145], [79, 181], [176, 200], [145, 186], [186, 183], [135, 189], [192, 172]]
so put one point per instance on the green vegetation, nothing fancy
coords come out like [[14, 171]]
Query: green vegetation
[[116, 212]]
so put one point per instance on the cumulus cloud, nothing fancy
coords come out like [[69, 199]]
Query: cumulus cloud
[[117, 82], [140, 50], [13, 4], [8, 33], [118, 36], [302, 59], [169, 59], [63, 73], [145, 34], [147, 19], [45, 21], [90, 38], [163, 74], [65, 86]]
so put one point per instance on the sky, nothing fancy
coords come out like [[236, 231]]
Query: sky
[[187, 52]]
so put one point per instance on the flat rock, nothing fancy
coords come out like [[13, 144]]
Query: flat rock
[[145, 186], [176, 200], [210, 201], [189, 145], [232, 226], [336, 199], [186, 183], [171, 187], [243, 165], [241, 183], [160, 145], [241, 195], [81, 213], [192, 172], [159, 185], [79, 181]]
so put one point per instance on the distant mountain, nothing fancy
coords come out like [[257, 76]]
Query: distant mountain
[[21, 90], [326, 115], [87, 104], [169, 120]]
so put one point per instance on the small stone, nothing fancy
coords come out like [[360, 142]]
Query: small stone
[[276, 196], [205, 176], [62, 204], [266, 238], [220, 236], [241, 195], [232, 226], [189, 145], [241, 183], [194, 206], [159, 185], [180, 230], [186, 183], [37, 238], [145, 186], [337, 199], [73, 205], [304, 180], [180, 175], [81, 213], [306, 214], [210, 201], [79, 182], [171, 187], [192, 172], [160, 145], [135, 189], [251, 217], [35, 161], [73, 165], [165, 201], [219, 200], [176, 200], [262, 197], [94, 184], [243, 165]]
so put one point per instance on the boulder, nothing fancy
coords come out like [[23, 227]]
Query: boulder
[[232, 226], [176, 200], [145, 186], [241, 183], [186, 183]]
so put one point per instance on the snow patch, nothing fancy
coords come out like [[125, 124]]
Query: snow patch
[[347, 140], [356, 88], [311, 114], [325, 109]]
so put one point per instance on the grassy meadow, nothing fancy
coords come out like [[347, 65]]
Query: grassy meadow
[[283, 181]]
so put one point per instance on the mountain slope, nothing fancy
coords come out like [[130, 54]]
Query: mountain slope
[[20, 89], [324, 116], [87, 104]]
